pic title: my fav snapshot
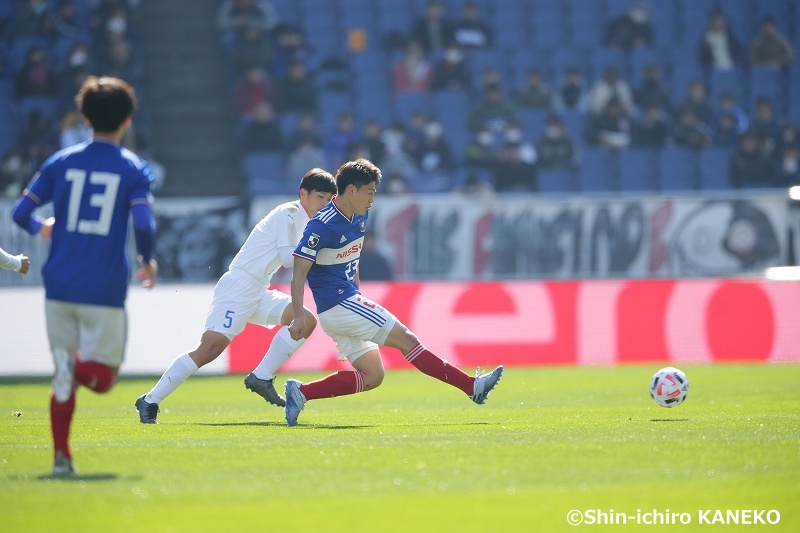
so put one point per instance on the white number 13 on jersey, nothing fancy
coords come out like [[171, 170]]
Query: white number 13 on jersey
[[104, 200]]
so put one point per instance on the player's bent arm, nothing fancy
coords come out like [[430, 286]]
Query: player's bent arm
[[24, 217], [144, 231], [286, 253], [298, 285]]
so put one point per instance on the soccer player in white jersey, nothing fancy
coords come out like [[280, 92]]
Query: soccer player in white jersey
[[95, 187], [18, 263], [327, 256], [241, 296]]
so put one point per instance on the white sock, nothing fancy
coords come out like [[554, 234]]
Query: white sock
[[178, 372], [281, 348]]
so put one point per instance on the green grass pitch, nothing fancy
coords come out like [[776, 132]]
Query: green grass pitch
[[412, 456]]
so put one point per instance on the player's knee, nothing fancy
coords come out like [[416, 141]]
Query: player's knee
[[311, 323], [373, 379], [106, 386]]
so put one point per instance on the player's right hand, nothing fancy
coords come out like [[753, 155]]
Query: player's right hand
[[296, 329], [26, 264], [147, 272], [46, 230]]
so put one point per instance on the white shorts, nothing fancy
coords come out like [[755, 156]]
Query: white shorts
[[238, 299], [357, 325], [97, 332]]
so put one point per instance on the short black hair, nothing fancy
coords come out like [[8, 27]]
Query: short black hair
[[106, 102], [359, 173], [318, 179]]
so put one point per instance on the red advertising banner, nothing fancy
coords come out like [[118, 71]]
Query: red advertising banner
[[571, 322]]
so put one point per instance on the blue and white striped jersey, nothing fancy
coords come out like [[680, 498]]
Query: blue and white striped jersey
[[333, 243]]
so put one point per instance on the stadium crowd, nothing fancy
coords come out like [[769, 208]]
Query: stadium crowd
[[448, 95], [519, 95]]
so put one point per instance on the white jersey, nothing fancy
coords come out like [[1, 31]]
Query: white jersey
[[14, 262], [272, 242]]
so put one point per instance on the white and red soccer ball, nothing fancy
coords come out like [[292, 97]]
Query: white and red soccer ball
[[669, 387]]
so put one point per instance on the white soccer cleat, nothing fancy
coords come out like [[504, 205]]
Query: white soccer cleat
[[485, 383]]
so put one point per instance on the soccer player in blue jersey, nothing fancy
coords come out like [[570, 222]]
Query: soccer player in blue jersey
[[327, 257], [95, 187]]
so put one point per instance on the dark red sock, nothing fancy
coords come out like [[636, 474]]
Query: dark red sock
[[94, 375], [340, 383], [60, 422], [429, 364]]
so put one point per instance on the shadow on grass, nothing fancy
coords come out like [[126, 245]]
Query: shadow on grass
[[669, 420], [225, 424], [100, 476]]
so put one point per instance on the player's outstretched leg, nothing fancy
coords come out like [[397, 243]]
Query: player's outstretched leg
[[264, 388], [147, 411], [484, 383], [295, 401]]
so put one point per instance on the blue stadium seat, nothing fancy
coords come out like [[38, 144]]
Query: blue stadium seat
[[564, 58], [46, 104], [765, 82], [511, 35], [574, 124], [407, 103], [556, 181], [331, 105], [740, 17], [264, 173], [547, 23], [713, 166], [450, 107], [395, 20], [596, 170], [532, 122], [374, 104], [732, 81], [677, 169], [637, 170], [666, 23], [601, 58], [640, 58], [694, 20], [520, 60]]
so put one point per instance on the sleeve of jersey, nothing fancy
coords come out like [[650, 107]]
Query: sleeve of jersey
[[285, 236], [311, 242], [144, 229], [37, 194]]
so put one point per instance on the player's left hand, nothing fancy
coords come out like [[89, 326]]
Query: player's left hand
[[147, 272]]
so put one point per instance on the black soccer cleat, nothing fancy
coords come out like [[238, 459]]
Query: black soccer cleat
[[147, 411], [264, 388]]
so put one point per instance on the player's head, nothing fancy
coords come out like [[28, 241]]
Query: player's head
[[316, 189], [106, 102], [357, 182]]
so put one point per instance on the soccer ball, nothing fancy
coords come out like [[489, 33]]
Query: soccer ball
[[669, 387]]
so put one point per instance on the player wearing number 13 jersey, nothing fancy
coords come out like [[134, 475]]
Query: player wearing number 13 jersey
[[327, 257], [95, 187]]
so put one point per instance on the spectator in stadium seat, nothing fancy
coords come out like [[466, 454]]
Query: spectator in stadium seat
[[65, 21], [789, 166], [690, 132], [555, 149], [39, 137], [729, 106], [306, 130], [395, 159], [630, 30], [262, 133], [480, 153], [14, 173], [373, 265], [470, 32], [725, 133], [343, 135], [534, 92], [748, 167], [611, 87], [769, 48], [235, 16], [492, 112], [297, 90], [612, 128], [252, 47], [434, 155], [451, 72], [120, 62], [37, 76], [653, 91], [370, 145], [433, 31], [33, 18], [652, 131], [698, 103], [252, 89], [102, 12], [789, 135], [513, 134], [306, 155], [73, 129], [510, 173], [414, 132], [572, 95], [290, 45], [764, 125], [412, 73], [719, 48]]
